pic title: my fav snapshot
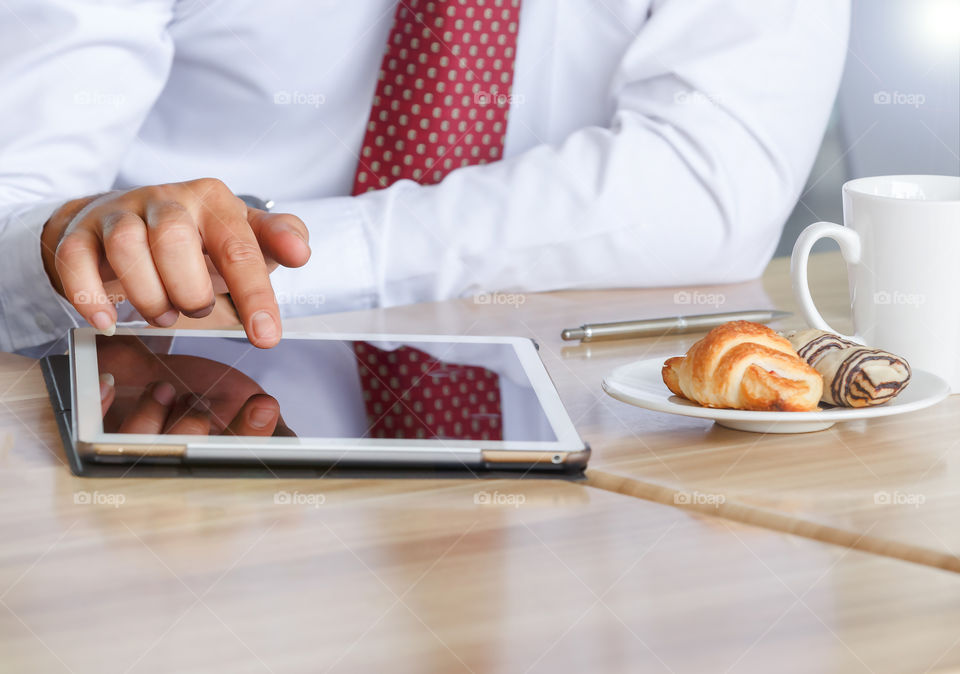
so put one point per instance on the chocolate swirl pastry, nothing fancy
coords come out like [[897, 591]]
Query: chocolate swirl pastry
[[853, 375]]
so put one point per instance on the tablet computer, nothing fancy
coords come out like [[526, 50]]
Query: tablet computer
[[209, 396]]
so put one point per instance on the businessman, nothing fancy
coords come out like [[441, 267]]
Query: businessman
[[412, 150]]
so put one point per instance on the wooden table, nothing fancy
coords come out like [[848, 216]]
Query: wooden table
[[829, 485], [889, 485], [193, 575]]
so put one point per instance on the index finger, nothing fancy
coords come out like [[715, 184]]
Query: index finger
[[235, 252]]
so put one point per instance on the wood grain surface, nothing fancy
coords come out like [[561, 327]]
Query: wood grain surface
[[373, 574]]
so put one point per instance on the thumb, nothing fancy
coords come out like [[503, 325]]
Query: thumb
[[283, 237]]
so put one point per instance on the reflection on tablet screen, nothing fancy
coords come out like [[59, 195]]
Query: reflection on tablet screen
[[324, 388]]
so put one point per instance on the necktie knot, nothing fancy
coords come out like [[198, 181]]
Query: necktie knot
[[443, 91]]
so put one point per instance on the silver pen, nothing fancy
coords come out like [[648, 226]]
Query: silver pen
[[651, 327]]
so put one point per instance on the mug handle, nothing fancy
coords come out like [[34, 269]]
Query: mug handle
[[849, 243]]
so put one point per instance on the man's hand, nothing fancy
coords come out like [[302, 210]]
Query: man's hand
[[160, 411], [168, 249], [146, 392]]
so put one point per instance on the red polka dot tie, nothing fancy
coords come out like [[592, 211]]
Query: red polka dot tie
[[441, 103], [410, 394], [443, 92]]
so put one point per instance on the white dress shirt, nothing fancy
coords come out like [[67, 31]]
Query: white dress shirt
[[650, 142]]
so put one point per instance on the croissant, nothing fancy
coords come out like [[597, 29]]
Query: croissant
[[853, 375], [745, 366]]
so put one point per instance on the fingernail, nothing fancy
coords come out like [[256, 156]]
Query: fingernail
[[293, 230], [263, 326], [102, 322], [200, 403], [261, 417], [201, 313], [302, 238], [164, 393], [107, 382], [166, 319]]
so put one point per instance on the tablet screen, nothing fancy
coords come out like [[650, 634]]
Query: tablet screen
[[323, 388]]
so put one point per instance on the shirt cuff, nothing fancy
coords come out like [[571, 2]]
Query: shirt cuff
[[339, 275], [32, 312]]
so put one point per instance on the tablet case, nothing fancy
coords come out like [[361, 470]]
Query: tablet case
[[56, 375]]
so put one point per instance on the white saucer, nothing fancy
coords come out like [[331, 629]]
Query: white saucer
[[641, 384]]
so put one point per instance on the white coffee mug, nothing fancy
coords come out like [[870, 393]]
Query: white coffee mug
[[901, 242]]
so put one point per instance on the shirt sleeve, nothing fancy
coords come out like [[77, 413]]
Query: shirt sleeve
[[719, 109], [32, 312], [78, 78]]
